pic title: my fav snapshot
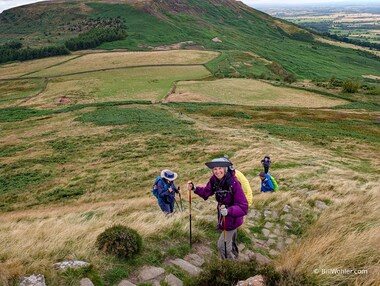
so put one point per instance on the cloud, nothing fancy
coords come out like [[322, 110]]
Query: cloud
[[289, 2], [7, 4]]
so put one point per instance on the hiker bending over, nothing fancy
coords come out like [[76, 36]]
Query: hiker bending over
[[166, 191], [266, 163], [232, 204], [266, 183]]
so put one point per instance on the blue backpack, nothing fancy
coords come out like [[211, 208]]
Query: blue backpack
[[155, 187]]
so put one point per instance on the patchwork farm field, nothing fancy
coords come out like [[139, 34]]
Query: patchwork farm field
[[151, 83], [114, 60], [358, 23], [69, 170], [15, 70], [249, 92]]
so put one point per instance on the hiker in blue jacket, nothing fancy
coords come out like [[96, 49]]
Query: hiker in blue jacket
[[266, 183], [166, 191]]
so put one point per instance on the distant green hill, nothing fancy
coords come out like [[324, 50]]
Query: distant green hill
[[154, 23]]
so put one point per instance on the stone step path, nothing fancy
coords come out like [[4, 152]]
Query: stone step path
[[190, 264], [150, 274], [271, 231]]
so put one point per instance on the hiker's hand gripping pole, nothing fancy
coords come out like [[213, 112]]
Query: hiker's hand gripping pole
[[224, 212]]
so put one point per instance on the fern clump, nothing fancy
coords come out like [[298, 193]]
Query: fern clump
[[120, 240]]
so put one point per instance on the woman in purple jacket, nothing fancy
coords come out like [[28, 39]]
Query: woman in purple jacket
[[232, 203]]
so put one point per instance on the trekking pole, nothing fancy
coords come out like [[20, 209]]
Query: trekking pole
[[225, 241], [177, 205], [180, 198], [190, 215]]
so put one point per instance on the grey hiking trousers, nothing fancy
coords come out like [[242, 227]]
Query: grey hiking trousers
[[232, 249]]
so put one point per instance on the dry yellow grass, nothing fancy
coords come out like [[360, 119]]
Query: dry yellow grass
[[33, 239], [111, 60], [346, 237], [37, 239], [289, 28], [248, 92], [19, 69], [346, 234]]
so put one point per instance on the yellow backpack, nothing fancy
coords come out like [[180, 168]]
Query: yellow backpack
[[245, 186]]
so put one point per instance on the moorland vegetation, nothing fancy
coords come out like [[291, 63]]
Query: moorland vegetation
[[84, 135]]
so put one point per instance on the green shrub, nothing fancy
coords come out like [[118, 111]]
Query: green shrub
[[225, 272], [290, 78], [229, 272], [120, 240], [332, 81], [60, 194], [350, 86]]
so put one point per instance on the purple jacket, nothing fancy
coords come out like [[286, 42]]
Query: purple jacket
[[234, 200]]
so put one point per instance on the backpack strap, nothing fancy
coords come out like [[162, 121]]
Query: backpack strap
[[222, 190]]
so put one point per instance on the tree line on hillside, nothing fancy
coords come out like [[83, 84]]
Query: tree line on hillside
[[14, 51], [370, 45], [322, 28]]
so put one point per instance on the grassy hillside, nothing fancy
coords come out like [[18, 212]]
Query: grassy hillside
[[70, 170], [151, 24], [84, 135]]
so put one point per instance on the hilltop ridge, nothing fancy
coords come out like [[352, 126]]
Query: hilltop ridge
[[152, 23]]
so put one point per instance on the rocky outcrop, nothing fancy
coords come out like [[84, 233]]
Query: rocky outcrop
[[216, 40], [33, 280], [70, 264], [86, 282], [257, 280]]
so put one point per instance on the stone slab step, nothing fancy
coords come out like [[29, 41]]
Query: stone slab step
[[173, 280], [186, 266], [151, 272]]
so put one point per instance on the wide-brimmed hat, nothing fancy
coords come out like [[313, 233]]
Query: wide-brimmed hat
[[219, 162], [168, 175]]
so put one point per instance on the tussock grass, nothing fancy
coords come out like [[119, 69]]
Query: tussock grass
[[52, 234], [71, 173], [344, 237]]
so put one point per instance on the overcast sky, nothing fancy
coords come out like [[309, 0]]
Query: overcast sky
[[6, 4]]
